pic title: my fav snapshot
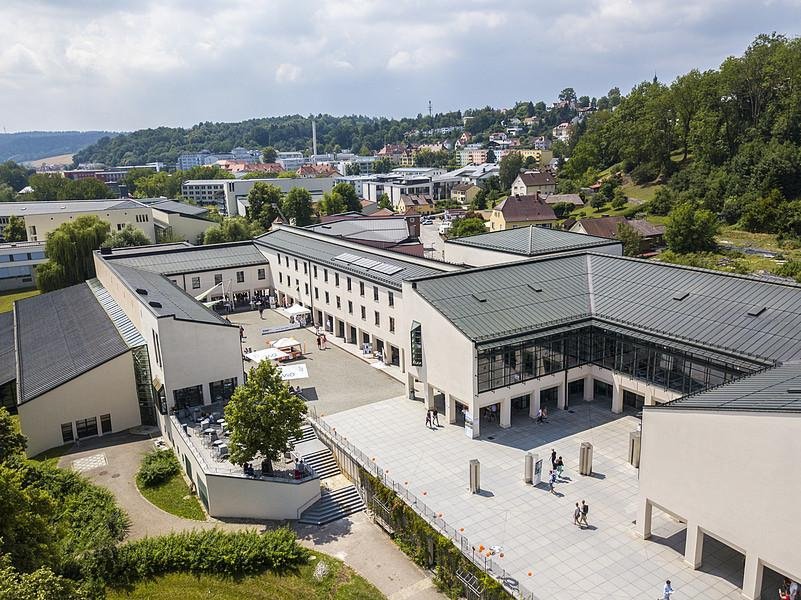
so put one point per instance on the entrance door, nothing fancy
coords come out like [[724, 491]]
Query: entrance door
[[575, 391], [352, 339], [341, 330], [550, 398], [636, 401], [521, 402], [601, 391]]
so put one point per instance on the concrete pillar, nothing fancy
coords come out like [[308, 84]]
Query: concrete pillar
[[752, 578], [644, 517], [617, 398], [506, 413], [561, 396], [428, 396], [588, 388], [534, 405], [410, 386], [694, 548], [450, 408], [476, 412]]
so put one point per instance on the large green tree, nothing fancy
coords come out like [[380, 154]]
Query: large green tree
[[14, 175], [332, 204], [263, 416], [126, 237], [628, 236], [348, 193], [264, 200], [12, 442], [69, 249], [232, 229], [509, 168], [14, 231], [297, 206], [691, 229], [269, 154], [470, 224]]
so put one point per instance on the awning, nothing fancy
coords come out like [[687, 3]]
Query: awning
[[267, 354], [286, 343], [297, 309]]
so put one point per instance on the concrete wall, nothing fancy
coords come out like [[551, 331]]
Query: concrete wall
[[480, 257], [186, 228], [46, 223], [107, 389], [733, 475]]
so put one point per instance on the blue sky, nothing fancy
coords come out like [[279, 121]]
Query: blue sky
[[128, 64]]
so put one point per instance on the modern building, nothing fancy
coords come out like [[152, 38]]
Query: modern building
[[396, 233], [395, 186], [178, 219], [521, 211], [291, 161], [41, 218], [18, 262], [534, 182], [357, 181], [205, 191]]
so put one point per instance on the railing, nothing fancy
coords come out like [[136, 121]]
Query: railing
[[480, 560]]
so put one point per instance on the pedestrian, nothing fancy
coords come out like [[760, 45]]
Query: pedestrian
[[545, 414], [667, 591], [585, 509], [539, 415], [552, 481], [560, 466], [577, 515], [793, 591], [324, 341], [553, 459], [261, 311], [319, 343], [428, 419], [435, 417], [241, 332]]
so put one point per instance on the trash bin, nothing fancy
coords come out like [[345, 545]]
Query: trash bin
[[635, 442], [585, 458], [475, 476]]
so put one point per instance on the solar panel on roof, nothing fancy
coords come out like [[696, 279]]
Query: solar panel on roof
[[346, 257], [367, 263], [387, 269]]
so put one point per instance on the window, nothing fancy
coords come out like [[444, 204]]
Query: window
[[196, 283], [86, 427], [306, 288], [316, 294], [261, 274], [339, 303], [377, 318], [221, 391], [391, 298], [364, 313], [105, 424], [305, 268], [350, 307], [327, 298], [188, 396], [217, 278], [416, 335], [156, 347], [349, 284], [375, 293], [289, 281], [280, 278], [120, 227], [296, 264], [279, 259], [325, 275], [240, 277], [392, 324], [314, 271], [361, 288], [66, 432], [336, 279]]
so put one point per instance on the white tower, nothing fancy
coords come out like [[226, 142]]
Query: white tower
[[314, 138]]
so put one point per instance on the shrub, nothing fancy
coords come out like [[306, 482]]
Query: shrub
[[157, 467], [644, 173], [563, 209], [598, 201], [791, 268]]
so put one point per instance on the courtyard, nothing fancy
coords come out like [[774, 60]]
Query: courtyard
[[530, 529]]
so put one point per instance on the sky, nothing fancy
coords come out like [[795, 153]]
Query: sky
[[121, 65]]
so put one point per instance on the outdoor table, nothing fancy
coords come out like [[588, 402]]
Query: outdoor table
[[209, 430], [218, 443], [221, 423]]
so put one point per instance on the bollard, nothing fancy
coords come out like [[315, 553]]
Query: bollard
[[528, 467], [635, 442], [585, 458], [475, 476]]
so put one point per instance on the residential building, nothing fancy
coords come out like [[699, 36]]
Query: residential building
[[573, 199], [180, 220], [651, 236], [307, 171], [562, 132], [472, 156], [542, 143], [18, 261], [236, 191], [395, 186], [521, 211], [291, 161], [415, 204], [42, 218], [534, 182], [464, 193], [204, 191], [200, 159]]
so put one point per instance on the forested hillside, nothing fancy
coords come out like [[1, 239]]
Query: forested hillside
[[32, 145]]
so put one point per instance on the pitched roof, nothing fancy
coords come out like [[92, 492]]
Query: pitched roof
[[607, 226], [568, 198], [60, 335], [180, 208], [383, 229], [463, 187], [70, 206], [530, 241], [525, 208], [8, 355], [191, 259], [537, 178], [416, 200]]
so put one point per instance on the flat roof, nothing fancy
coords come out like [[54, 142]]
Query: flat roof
[[531, 241], [179, 208], [739, 314], [771, 390], [45, 208], [180, 259]]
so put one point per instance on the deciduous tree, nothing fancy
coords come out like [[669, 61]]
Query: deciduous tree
[[297, 206], [126, 237], [630, 239], [509, 168], [691, 229], [69, 249], [263, 202], [14, 231]]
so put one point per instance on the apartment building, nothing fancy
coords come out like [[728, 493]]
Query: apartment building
[[18, 261]]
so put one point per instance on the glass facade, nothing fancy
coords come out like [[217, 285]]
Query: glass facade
[[659, 365], [221, 391], [188, 397], [144, 385]]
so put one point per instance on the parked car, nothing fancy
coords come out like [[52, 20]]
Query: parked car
[[426, 221], [444, 227]]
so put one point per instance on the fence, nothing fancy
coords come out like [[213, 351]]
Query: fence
[[350, 458]]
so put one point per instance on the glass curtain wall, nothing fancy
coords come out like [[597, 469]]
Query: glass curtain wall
[[144, 386], [664, 367]]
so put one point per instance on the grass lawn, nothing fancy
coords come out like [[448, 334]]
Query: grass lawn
[[51, 456], [641, 192], [175, 498], [341, 583], [7, 299]]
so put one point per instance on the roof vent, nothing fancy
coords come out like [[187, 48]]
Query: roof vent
[[141, 291], [680, 296], [756, 311], [479, 298], [794, 391], [155, 304], [534, 288]]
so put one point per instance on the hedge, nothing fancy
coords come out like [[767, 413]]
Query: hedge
[[157, 467]]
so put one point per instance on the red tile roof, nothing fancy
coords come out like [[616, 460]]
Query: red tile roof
[[525, 208], [536, 178]]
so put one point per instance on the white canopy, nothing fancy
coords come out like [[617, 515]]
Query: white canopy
[[290, 372], [286, 343], [297, 309], [267, 354]]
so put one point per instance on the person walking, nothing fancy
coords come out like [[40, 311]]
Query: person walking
[[428, 419], [553, 459], [261, 310], [435, 417], [560, 466], [539, 415], [585, 509], [319, 343], [667, 591], [577, 515], [552, 481]]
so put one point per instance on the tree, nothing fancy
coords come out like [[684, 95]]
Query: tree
[[332, 204], [619, 199], [232, 229], [583, 101], [269, 154], [263, 202], [7, 193], [470, 224], [287, 175], [509, 168], [69, 249], [263, 416], [763, 214], [662, 202], [348, 193], [12, 442], [14, 231], [562, 209], [14, 175], [126, 237], [297, 206], [567, 95], [383, 202], [41, 584], [630, 239], [383, 165], [691, 229], [491, 156]]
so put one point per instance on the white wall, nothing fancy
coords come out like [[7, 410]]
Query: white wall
[[117, 218], [186, 228], [251, 281]]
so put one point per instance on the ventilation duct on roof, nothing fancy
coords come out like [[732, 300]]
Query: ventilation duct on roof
[[756, 311], [680, 296], [534, 288], [794, 391], [141, 292], [479, 298], [155, 304]]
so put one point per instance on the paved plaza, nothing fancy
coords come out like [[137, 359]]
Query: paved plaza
[[533, 527]]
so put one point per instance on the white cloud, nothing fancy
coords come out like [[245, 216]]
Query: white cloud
[[287, 73]]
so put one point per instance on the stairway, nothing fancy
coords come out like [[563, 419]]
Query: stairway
[[332, 506], [306, 433], [322, 463]]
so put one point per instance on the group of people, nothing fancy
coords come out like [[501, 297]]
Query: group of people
[[557, 468], [322, 341], [300, 468], [542, 415], [789, 590], [249, 470], [580, 514], [432, 418]]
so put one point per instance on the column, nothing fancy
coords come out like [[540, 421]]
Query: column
[[410, 386], [450, 408], [506, 413], [752, 579], [694, 549], [428, 395], [476, 412], [644, 517], [561, 396], [534, 404], [617, 398], [588, 391]]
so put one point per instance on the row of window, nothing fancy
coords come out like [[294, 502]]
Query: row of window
[[219, 391], [261, 274], [85, 428], [21, 256], [11, 272], [142, 218]]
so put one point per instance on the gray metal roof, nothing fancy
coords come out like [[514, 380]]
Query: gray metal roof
[[163, 298], [8, 355], [71, 206], [179, 208], [150, 248], [531, 241], [770, 390], [191, 259], [383, 229], [315, 248], [705, 308], [129, 333], [61, 335]]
